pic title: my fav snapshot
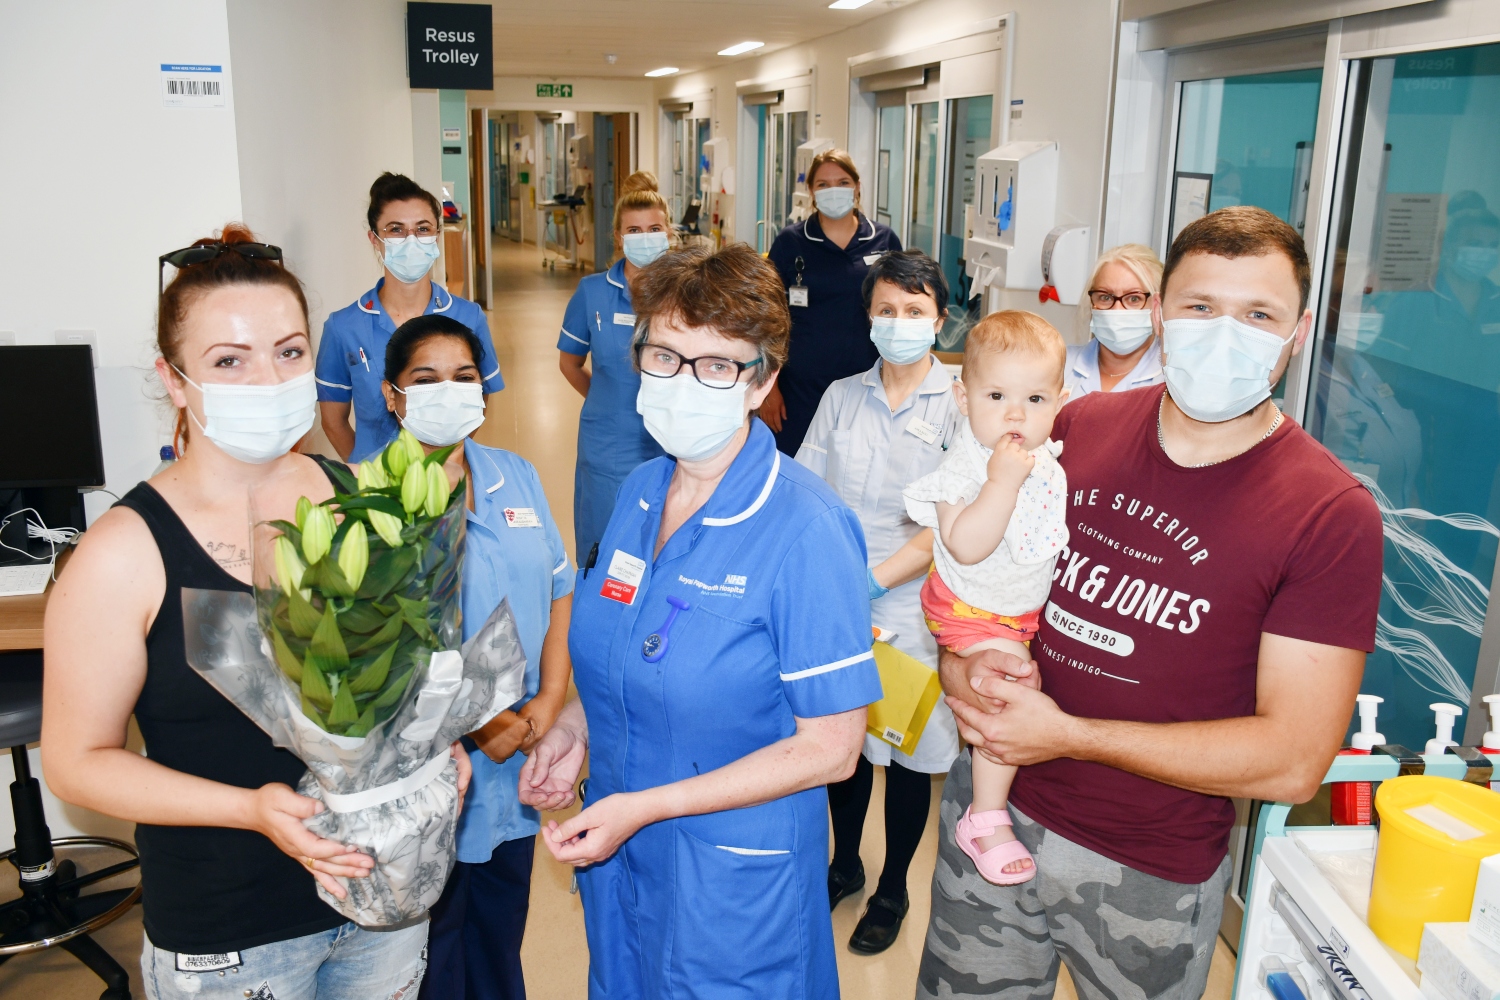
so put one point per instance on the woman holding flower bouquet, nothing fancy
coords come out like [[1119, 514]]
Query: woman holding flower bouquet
[[226, 862], [513, 552]]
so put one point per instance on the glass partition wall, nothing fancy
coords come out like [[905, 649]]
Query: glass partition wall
[[1406, 383]]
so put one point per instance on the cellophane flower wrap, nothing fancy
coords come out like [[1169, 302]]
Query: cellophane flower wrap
[[349, 655]]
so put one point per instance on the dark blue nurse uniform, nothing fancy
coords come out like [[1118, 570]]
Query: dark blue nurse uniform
[[831, 334], [777, 627]]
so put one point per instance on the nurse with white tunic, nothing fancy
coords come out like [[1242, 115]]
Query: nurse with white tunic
[[721, 650], [874, 433], [1123, 353]]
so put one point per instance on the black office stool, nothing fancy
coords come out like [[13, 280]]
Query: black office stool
[[52, 910]]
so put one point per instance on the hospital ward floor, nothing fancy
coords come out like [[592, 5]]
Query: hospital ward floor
[[537, 417]]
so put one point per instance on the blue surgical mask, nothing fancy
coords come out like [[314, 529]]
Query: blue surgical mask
[[1218, 369], [643, 248], [1121, 330], [691, 421], [410, 259], [835, 202], [1475, 263], [900, 340]]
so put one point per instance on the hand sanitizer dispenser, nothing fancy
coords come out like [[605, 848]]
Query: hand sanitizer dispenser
[[1445, 715], [1352, 802], [1367, 738], [1015, 207]]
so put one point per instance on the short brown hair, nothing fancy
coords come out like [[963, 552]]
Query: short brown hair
[[839, 157], [1015, 330], [1241, 231], [735, 292]]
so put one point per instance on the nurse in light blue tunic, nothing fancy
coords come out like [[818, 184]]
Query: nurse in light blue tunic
[[722, 655], [1123, 353], [874, 433], [514, 564], [600, 321]]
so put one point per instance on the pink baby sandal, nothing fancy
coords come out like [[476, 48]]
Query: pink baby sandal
[[991, 863]]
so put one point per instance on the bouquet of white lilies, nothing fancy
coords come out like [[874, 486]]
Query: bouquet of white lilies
[[349, 655]]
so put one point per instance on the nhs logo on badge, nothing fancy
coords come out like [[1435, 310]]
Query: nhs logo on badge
[[734, 581]]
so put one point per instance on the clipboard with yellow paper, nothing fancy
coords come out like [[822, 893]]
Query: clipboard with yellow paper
[[911, 691]]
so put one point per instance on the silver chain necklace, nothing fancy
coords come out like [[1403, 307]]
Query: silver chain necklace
[[1161, 438]]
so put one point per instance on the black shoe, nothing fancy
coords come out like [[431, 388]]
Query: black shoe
[[877, 929], [841, 887]]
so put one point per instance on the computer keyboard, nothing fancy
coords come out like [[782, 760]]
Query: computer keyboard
[[18, 580]]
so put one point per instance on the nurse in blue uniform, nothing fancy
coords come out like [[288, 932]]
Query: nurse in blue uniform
[[512, 553], [722, 657], [1123, 353], [823, 261], [600, 321], [403, 220]]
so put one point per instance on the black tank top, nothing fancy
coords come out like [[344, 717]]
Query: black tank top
[[209, 889]]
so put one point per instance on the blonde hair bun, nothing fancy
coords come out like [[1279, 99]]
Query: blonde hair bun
[[641, 180]]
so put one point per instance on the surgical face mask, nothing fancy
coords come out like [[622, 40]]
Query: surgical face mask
[[1218, 369], [835, 202], [411, 258], [688, 419], [643, 248], [443, 413], [1475, 263], [1121, 330], [256, 423], [900, 340]]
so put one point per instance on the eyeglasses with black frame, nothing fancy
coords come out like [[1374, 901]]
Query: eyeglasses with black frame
[[188, 256], [1100, 299], [716, 373]]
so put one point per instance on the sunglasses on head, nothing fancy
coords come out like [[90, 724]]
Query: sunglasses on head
[[188, 256]]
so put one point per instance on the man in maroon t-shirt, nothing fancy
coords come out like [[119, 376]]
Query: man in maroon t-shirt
[[1204, 639]]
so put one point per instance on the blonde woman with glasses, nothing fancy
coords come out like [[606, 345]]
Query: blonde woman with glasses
[[1124, 352]]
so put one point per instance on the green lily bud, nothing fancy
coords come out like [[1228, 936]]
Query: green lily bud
[[414, 450], [303, 506], [372, 476], [395, 459], [387, 526], [437, 491], [289, 565], [414, 487], [317, 534], [354, 554]]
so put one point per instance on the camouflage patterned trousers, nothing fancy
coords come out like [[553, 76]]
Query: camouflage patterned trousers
[[1125, 935]]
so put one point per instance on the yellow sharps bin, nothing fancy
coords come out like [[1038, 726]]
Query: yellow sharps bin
[[1433, 833]]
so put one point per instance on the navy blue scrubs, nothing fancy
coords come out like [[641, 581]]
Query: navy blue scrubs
[[831, 334]]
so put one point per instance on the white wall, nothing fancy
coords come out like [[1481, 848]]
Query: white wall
[[1063, 59], [110, 180], [317, 105], [100, 180], [322, 109]]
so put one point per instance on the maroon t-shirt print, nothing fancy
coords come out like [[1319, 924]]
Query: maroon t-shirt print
[[1158, 604]]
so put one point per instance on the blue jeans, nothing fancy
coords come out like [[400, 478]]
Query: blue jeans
[[346, 963]]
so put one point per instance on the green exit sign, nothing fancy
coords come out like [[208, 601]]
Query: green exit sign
[[554, 90]]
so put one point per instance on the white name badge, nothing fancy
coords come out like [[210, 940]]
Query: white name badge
[[623, 578], [922, 430], [625, 319], [522, 517], [871, 258], [797, 295]]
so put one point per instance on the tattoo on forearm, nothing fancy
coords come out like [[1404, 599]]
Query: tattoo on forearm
[[228, 554]]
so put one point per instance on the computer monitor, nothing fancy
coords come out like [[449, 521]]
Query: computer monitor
[[49, 418]]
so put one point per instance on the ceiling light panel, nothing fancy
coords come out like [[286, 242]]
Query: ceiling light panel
[[741, 48], [664, 71], [847, 4]]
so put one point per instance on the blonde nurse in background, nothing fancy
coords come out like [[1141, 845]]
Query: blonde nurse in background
[[1123, 352]]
